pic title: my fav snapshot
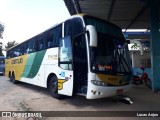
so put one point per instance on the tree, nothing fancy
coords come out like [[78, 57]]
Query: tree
[[135, 46], [1, 33], [10, 44], [1, 54], [1, 30]]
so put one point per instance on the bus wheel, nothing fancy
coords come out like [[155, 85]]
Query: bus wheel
[[13, 79], [53, 88], [10, 78]]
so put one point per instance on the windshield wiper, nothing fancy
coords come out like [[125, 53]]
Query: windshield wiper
[[118, 62]]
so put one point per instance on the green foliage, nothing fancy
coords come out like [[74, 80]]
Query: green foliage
[[135, 46], [1, 30], [1, 33], [1, 54], [10, 44]]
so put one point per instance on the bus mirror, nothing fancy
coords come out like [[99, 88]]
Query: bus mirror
[[93, 35]]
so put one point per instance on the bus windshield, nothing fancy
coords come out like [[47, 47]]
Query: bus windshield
[[111, 54]]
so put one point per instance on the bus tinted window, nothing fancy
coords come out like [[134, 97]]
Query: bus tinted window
[[73, 27], [68, 28], [47, 39], [8, 54], [17, 51], [50, 39], [77, 26], [24, 48], [57, 34], [41, 42], [54, 36], [31, 46]]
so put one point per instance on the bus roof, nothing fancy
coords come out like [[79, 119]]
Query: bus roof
[[73, 16]]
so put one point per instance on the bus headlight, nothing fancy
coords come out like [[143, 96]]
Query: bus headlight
[[99, 83]]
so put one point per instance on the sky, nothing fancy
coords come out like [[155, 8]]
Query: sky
[[24, 19]]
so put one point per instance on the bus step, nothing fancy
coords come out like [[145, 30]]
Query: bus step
[[81, 94], [83, 90]]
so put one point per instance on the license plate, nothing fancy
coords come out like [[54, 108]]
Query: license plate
[[119, 91]]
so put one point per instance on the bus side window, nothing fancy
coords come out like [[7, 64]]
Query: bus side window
[[32, 46], [19, 51], [65, 53], [50, 44], [68, 28], [36, 46], [11, 54], [22, 49], [53, 36], [25, 48], [41, 44], [8, 54], [50, 39], [57, 34], [14, 52]]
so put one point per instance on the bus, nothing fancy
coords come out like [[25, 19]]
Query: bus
[[83, 55], [2, 65]]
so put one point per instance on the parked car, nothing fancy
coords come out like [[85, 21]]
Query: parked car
[[2, 65]]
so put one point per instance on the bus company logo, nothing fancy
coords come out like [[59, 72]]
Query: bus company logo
[[53, 57], [17, 61]]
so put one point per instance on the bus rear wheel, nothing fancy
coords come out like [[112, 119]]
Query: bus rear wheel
[[13, 79], [53, 88], [10, 78]]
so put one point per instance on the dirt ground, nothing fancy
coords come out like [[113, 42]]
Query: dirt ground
[[26, 97]]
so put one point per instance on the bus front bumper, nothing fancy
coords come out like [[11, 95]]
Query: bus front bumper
[[95, 91]]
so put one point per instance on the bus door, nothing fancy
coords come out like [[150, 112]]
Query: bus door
[[65, 78], [80, 65]]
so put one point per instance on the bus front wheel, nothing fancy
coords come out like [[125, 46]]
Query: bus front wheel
[[53, 88]]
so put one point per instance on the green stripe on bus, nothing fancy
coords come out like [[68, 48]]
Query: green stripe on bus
[[28, 65], [36, 64], [33, 64]]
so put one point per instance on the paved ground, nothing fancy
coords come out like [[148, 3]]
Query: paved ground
[[24, 97]]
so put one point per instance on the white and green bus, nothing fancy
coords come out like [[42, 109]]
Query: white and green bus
[[83, 55]]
